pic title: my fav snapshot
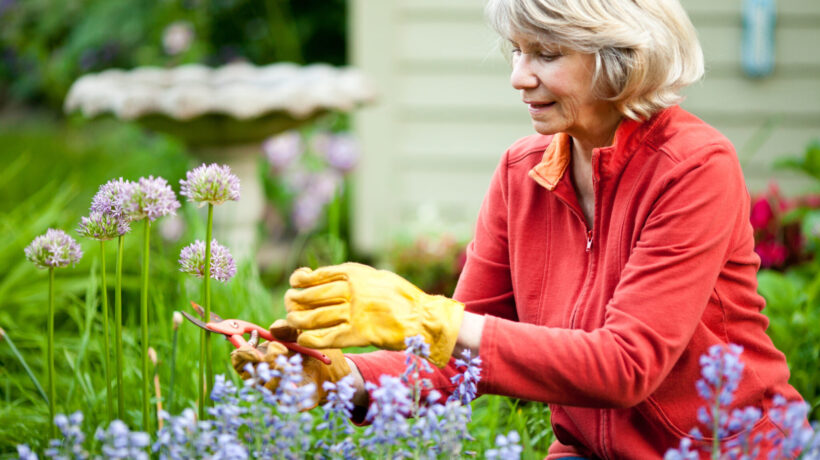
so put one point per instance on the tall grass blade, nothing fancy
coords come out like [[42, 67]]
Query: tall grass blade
[[16, 352]]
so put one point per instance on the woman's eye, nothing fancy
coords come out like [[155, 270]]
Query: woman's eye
[[516, 51], [548, 56]]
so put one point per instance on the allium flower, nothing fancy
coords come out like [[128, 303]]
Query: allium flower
[[192, 261], [118, 442], [54, 249], [283, 149], [212, 184], [151, 198], [507, 447], [110, 198], [341, 151], [307, 210], [101, 226], [177, 37]]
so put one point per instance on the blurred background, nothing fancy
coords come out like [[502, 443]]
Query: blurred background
[[389, 166]]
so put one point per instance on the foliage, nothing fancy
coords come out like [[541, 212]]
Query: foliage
[[787, 230], [433, 263], [306, 184], [45, 45], [792, 292]]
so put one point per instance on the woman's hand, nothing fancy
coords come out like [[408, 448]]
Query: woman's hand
[[356, 305], [313, 370]]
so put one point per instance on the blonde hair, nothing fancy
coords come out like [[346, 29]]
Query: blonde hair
[[646, 51]]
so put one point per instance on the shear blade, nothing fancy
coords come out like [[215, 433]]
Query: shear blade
[[201, 312], [194, 320]]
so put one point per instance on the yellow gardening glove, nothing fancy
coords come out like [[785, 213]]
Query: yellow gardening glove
[[356, 305], [313, 370]]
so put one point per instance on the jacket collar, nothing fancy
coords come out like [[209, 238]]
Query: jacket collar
[[629, 134]]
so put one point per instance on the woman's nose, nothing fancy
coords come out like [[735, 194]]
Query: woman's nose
[[522, 75]]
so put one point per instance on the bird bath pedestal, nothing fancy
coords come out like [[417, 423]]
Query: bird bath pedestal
[[223, 115]]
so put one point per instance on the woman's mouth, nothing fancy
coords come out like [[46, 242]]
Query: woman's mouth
[[536, 107]]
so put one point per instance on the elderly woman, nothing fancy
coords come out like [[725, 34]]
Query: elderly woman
[[612, 250]]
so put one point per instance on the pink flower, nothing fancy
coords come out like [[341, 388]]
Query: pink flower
[[761, 214], [772, 253]]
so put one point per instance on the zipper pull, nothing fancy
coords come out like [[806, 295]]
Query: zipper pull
[[589, 240]]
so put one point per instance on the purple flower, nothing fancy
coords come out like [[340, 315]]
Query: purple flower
[[337, 412], [24, 452], [54, 249], [791, 418], [192, 261], [151, 198], [341, 151], [71, 446], [307, 210], [110, 199], [182, 437], [507, 447], [283, 149], [292, 394], [684, 452], [721, 370], [467, 381], [390, 403], [212, 184], [102, 227], [118, 442]]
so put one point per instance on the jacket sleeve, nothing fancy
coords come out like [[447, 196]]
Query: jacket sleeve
[[662, 293], [484, 286]]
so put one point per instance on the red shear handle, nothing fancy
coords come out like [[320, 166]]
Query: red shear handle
[[265, 334]]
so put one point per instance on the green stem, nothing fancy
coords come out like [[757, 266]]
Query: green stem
[[118, 331], [146, 391], [52, 391], [173, 372], [716, 424], [334, 217], [16, 352], [109, 405], [209, 371]]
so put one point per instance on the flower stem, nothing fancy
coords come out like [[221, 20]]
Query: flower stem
[[173, 372], [16, 352], [107, 361], [209, 371], [334, 226], [146, 392], [52, 392], [118, 331]]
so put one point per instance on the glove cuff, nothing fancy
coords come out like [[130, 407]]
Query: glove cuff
[[440, 326]]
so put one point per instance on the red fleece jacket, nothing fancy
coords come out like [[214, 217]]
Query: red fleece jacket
[[607, 324]]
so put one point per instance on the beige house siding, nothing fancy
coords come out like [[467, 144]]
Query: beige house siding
[[446, 111]]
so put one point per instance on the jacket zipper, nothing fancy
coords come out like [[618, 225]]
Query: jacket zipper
[[589, 240]]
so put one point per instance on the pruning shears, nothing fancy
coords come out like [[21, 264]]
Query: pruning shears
[[235, 329]]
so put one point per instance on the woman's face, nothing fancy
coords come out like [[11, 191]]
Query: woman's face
[[557, 87]]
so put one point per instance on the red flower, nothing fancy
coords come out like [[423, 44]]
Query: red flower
[[772, 253], [761, 214]]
